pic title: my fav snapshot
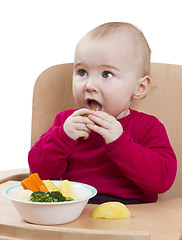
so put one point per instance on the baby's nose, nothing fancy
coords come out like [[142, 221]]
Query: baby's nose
[[91, 85]]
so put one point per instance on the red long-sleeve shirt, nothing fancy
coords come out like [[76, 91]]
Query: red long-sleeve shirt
[[140, 164]]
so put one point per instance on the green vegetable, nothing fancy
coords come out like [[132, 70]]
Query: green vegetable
[[86, 115], [54, 196]]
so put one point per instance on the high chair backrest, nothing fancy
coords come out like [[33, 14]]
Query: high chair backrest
[[53, 94]]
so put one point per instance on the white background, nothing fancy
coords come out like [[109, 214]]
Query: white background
[[36, 34]]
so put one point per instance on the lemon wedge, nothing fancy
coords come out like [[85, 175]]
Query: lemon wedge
[[50, 186], [111, 210], [66, 189]]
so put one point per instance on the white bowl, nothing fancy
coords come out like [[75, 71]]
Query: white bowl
[[51, 213]]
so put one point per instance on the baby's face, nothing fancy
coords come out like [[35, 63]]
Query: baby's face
[[105, 76]]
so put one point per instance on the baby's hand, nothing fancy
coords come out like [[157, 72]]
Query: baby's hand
[[106, 125], [75, 125]]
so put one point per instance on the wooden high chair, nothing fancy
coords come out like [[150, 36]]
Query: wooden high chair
[[53, 93]]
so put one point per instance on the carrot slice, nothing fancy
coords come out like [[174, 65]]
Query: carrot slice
[[22, 183], [43, 188], [35, 177], [34, 183], [30, 185]]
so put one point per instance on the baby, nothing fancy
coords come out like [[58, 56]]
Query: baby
[[126, 155]]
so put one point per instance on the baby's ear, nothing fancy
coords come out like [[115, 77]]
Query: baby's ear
[[142, 88]]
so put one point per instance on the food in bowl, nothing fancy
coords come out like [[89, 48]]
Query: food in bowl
[[24, 195], [51, 213], [36, 190]]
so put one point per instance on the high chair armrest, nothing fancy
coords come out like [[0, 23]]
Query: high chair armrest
[[14, 174]]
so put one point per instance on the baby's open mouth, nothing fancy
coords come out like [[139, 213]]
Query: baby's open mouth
[[93, 104]]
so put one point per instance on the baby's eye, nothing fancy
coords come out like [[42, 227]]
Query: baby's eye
[[107, 74], [82, 72]]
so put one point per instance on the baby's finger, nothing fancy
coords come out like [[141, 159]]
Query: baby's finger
[[96, 128], [82, 134], [86, 120], [100, 120], [81, 127], [81, 112], [81, 120], [103, 115]]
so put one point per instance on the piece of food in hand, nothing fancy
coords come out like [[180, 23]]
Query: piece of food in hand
[[24, 195], [66, 190], [111, 210], [86, 115], [50, 186]]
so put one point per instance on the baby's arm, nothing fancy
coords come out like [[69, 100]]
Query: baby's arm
[[149, 162], [49, 155]]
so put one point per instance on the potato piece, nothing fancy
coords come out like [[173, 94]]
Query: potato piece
[[66, 189], [111, 210], [50, 186], [24, 195]]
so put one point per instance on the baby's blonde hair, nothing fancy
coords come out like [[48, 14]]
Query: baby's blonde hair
[[141, 48]]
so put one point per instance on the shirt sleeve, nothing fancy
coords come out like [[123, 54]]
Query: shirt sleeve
[[48, 157], [149, 162]]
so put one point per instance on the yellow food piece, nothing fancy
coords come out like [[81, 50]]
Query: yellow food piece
[[111, 210], [50, 186], [66, 189]]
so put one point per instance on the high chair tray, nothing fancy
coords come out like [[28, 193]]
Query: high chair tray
[[161, 220]]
